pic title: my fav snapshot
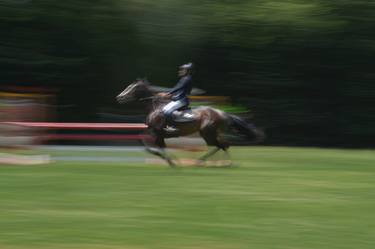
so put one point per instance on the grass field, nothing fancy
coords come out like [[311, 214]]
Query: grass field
[[286, 198]]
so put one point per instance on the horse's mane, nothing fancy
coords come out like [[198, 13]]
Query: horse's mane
[[143, 80]]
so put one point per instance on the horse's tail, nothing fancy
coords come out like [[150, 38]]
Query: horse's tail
[[248, 129]]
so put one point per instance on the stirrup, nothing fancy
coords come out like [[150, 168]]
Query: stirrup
[[171, 130]]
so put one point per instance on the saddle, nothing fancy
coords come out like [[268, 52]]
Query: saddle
[[183, 115]]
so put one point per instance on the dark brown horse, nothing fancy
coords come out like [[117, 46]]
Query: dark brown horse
[[209, 122]]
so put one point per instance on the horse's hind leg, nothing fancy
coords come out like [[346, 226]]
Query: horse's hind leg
[[228, 161], [209, 153], [211, 138]]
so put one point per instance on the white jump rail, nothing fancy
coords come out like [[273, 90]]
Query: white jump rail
[[81, 126]]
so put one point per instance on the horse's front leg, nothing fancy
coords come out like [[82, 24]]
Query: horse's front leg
[[161, 153], [157, 148]]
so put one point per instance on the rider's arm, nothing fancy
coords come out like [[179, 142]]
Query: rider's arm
[[181, 84]]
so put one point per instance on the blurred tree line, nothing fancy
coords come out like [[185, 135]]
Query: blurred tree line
[[304, 68]]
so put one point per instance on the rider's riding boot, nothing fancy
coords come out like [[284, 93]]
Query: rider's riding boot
[[178, 117]]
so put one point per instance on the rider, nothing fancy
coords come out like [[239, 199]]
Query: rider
[[179, 95]]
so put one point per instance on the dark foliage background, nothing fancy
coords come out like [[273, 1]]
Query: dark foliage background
[[303, 68]]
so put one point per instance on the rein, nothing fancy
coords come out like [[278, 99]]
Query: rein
[[147, 98]]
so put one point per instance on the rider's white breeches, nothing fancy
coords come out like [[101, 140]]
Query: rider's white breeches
[[173, 106]]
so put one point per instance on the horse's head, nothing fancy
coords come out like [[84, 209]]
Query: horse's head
[[135, 91]]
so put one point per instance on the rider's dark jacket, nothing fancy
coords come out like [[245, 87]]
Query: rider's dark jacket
[[182, 88]]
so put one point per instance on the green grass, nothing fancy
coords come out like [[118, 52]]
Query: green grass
[[282, 198]]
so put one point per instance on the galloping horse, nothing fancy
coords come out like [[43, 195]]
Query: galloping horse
[[209, 122]]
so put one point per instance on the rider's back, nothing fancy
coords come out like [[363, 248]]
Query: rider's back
[[182, 88]]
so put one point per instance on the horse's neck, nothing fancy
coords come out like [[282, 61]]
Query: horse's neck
[[158, 104], [155, 103]]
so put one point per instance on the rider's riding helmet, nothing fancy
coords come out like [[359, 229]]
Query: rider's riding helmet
[[188, 67], [185, 69]]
